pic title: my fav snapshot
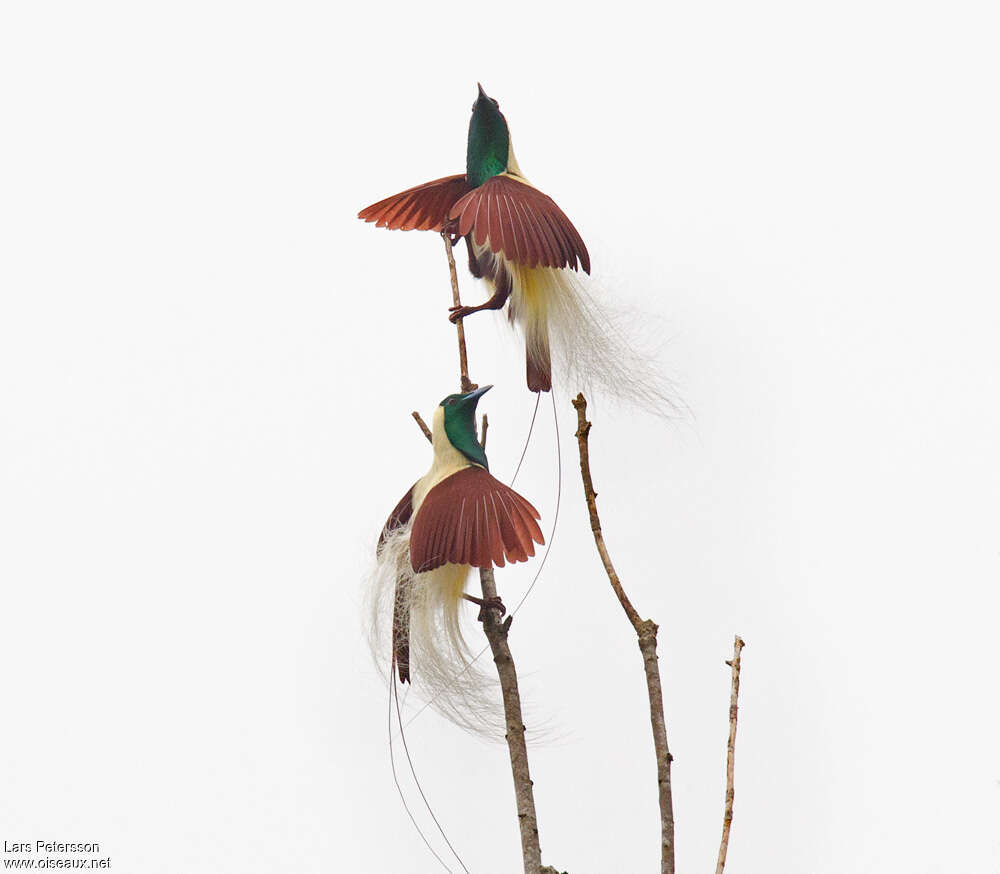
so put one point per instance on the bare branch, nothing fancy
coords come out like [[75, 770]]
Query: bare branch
[[582, 433], [423, 426], [486, 425], [463, 357], [734, 696], [646, 632]]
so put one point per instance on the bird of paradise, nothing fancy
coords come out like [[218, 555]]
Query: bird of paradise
[[456, 517], [519, 241]]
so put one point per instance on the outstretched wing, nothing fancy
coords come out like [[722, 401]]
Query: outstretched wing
[[515, 219], [473, 518], [423, 208]]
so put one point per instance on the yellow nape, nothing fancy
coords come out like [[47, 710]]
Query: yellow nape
[[447, 460], [512, 167]]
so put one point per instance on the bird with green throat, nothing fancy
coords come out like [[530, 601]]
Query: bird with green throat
[[519, 241], [456, 517]]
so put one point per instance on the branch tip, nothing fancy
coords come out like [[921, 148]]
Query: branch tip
[[646, 633], [734, 694], [423, 426]]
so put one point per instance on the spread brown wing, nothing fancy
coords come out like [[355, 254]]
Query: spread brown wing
[[423, 208], [398, 517], [473, 518], [522, 223]]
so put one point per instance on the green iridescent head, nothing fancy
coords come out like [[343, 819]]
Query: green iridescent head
[[460, 424], [489, 141]]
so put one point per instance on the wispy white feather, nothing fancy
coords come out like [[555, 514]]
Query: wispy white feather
[[589, 347], [441, 662]]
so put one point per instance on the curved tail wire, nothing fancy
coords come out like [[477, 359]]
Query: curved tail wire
[[399, 789], [394, 696]]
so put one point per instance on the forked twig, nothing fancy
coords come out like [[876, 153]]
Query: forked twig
[[645, 630], [734, 696]]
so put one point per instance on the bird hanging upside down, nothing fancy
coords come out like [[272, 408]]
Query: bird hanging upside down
[[456, 517], [518, 240]]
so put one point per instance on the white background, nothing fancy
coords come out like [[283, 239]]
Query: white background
[[207, 366]]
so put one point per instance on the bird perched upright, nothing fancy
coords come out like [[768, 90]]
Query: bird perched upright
[[519, 241], [457, 516]]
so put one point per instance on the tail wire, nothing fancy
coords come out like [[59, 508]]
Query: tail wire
[[394, 697]]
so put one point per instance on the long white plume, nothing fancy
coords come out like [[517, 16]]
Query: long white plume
[[441, 668], [591, 349]]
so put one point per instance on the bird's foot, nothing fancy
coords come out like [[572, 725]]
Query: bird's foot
[[487, 604], [456, 314]]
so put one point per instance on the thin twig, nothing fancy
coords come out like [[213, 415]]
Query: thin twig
[[423, 426], [496, 633], [463, 357], [582, 433], [485, 428], [646, 632], [734, 696]]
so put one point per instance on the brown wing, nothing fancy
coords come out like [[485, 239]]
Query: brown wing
[[397, 518], [522, 223], [473, 518], [423, 208]]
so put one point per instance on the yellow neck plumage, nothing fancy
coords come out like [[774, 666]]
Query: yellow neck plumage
[[512, 168], [447, 461]]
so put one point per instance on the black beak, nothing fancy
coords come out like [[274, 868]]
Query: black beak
[[482, 94], [474, 396]]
